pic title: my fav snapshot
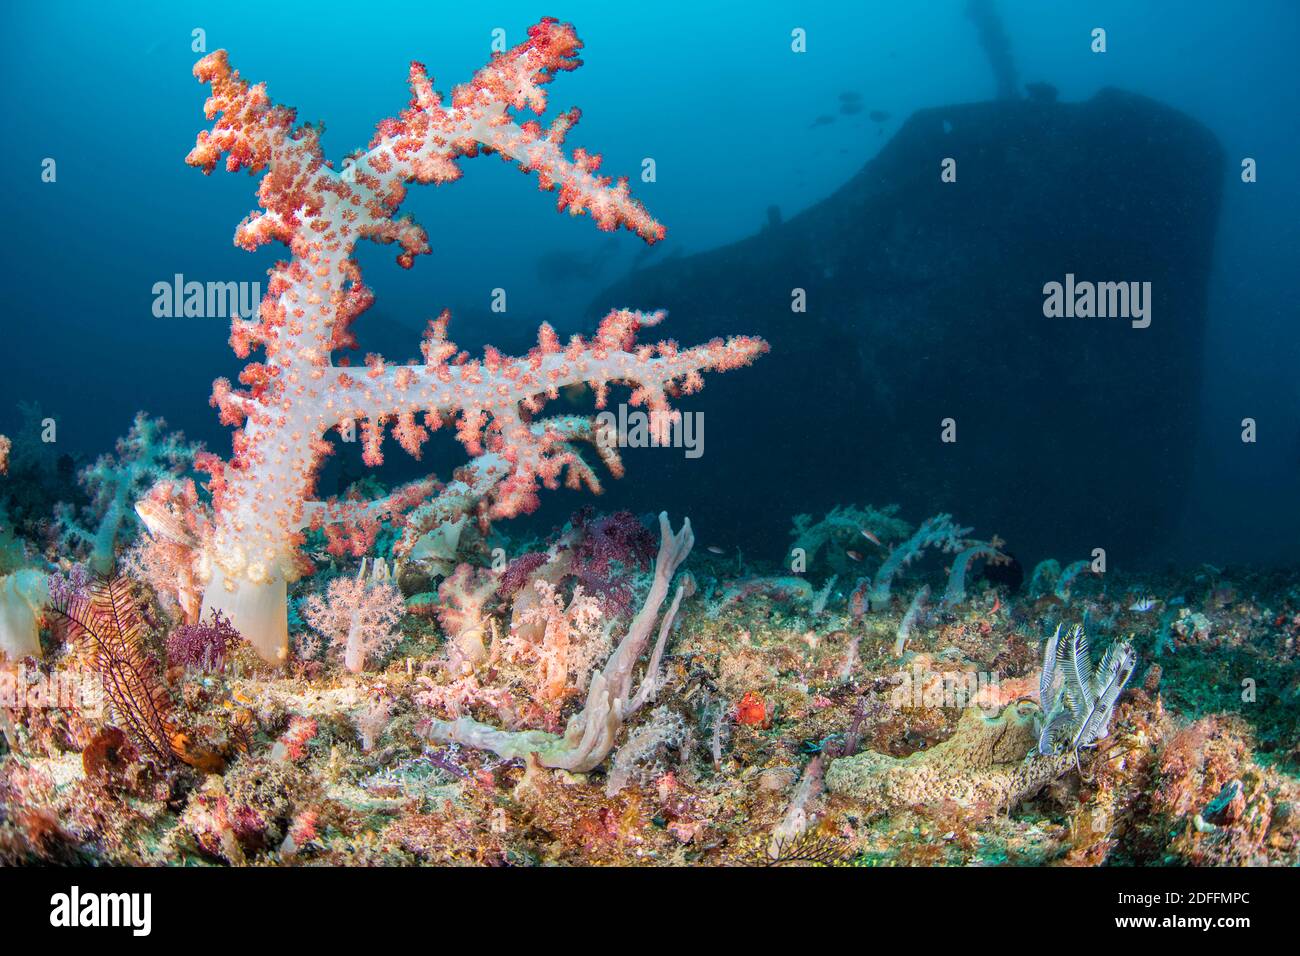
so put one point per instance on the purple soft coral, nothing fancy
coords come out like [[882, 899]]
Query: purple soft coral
[[615, 538], [519, 571], [599, 554], [202, 646], [69, 587]]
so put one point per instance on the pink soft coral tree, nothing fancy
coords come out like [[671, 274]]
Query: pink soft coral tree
[[359, 615], [262, 497]]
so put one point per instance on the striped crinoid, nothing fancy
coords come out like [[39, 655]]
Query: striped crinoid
[[1078, 708], [106, 616]]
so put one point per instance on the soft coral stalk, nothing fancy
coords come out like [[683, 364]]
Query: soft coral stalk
[[22, 596], [293, 397]]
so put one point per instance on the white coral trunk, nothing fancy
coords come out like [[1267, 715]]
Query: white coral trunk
[[260, 612], [354, 655]]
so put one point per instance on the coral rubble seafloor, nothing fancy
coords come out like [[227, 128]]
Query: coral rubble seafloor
[[762, 722]]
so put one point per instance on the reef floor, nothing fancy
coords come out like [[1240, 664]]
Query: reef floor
[[779, 736]]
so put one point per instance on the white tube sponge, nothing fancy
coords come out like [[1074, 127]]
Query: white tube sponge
[[589, 736]]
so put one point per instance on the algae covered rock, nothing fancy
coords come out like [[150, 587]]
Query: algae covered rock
[[984, 761]]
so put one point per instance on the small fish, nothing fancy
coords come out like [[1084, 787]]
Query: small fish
[[854, 555], [714, 549], [878, 116], [1143, 604], [162, 514], [871, 537]]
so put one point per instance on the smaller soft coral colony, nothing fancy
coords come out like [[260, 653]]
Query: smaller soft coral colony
[[147, 456], [359, 615]]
